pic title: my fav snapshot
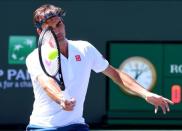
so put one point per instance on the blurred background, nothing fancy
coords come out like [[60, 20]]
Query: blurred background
[[141, 37]]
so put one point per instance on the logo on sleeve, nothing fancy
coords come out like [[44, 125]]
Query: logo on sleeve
[[77, 58]]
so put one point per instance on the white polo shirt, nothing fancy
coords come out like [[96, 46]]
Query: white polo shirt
[[82, 58]]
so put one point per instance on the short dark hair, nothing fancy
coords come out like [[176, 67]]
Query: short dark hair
[[45, 12]]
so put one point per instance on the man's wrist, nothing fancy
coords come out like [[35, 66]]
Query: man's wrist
[[61, 100]]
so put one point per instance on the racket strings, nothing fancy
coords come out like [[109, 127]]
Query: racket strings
[[49, 49], [49, 56]]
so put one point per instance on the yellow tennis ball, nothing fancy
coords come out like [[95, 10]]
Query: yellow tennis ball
[[53, 54]]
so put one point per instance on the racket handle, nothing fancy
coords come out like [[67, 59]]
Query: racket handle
[[61, 84]]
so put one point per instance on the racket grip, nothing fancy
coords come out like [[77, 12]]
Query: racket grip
[[61, 84]]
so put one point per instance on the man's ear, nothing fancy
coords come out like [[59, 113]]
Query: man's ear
[[39, 30]]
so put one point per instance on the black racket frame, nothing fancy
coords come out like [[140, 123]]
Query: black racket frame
[[60, 81]]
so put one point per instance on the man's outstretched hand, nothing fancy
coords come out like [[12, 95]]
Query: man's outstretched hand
[[159, 101]]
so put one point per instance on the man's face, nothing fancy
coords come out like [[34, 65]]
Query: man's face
[[58, 27]]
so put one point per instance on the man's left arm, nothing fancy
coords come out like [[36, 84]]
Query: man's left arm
[[126, 82]]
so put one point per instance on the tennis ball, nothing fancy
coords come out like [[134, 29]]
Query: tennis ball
[[53, 54]]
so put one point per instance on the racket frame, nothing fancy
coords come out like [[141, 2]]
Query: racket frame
[[60, 81]]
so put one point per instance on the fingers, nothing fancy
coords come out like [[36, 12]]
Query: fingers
[[159, 101], [167, 106], [68, 105], [169, 101], [164, 105], [156, 109]]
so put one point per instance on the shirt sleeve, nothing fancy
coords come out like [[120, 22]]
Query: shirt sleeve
[[33, 65], [98, 62]]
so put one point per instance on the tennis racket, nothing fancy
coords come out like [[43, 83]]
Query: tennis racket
[[49, 56]]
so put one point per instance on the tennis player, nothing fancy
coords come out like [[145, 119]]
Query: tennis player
[[54, 109]]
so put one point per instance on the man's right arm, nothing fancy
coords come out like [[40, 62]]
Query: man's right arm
[[49, 85], [53, 90]]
